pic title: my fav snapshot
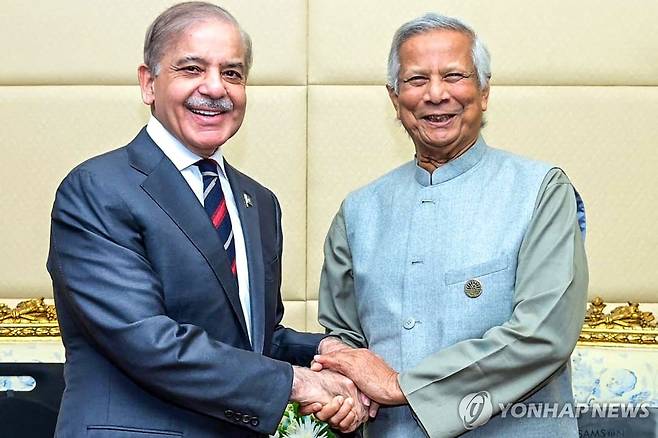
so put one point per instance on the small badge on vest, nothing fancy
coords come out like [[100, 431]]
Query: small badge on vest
[[473, 288]]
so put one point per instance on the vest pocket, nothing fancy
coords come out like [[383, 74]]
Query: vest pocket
[[455, 276], [107, 431]]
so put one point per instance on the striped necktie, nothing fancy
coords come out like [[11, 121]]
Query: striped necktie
[[215, 204]]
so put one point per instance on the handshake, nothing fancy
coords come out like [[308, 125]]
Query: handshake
[[345, 386]]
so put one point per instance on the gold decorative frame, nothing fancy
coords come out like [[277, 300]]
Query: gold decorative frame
[[30, 318], [622, 326]]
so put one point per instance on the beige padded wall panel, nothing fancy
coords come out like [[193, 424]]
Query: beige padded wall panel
[[295, 315], [353, 137], [312, 324], [46, 131], [531, 41], [605, 139], [49, 130], [101, 42], [271, 148], [603, 136]]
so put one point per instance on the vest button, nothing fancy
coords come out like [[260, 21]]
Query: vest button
[[473, 288], [409, 323]]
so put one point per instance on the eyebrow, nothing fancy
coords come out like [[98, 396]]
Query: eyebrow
[[194, 58], [235, 65], [189, 58]]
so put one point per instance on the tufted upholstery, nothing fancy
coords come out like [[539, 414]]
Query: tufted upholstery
[[573, 83]]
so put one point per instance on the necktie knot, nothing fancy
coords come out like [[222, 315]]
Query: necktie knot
[[207, 166]]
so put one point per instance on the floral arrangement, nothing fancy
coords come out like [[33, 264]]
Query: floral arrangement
[[295, 425]]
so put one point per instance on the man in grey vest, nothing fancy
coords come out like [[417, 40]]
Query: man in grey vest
[[460, 276]]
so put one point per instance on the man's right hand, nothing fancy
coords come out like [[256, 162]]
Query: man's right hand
[[328, 345], [316, 390]]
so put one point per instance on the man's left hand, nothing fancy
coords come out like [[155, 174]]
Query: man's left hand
[[331, 344], [368, 371]]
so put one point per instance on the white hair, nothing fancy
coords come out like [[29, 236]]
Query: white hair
[[430, 22]]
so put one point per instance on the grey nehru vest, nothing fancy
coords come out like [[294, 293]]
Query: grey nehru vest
[[416, 238]]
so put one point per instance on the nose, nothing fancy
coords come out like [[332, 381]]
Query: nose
[[212, 85], [437, 90]]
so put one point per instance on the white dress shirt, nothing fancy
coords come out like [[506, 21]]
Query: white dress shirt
[[184, 160]]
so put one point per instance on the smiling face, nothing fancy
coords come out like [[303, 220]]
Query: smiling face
[[439, 102], [199, 93]]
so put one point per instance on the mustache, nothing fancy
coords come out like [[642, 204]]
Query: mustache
[[223, 104]]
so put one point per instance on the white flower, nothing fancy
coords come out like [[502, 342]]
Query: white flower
[[305, 427]]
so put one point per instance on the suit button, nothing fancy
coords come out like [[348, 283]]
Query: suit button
[[409, 323], [254, 422], [246, 418], [228, 413]]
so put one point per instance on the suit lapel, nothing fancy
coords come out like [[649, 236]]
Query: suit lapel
[[167, 187], [248, 211]]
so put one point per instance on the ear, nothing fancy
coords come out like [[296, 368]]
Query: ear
[[484, 99], [394, 99], [146, 79]]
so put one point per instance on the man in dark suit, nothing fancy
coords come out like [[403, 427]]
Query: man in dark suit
[[166, 264]]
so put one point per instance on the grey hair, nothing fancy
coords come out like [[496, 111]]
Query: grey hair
[[169, 25], [428, 23]]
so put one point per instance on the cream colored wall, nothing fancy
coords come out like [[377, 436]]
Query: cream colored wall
[[575, 83]]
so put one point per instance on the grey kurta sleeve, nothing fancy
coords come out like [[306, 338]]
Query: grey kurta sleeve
[[513, 359], [337, 307]]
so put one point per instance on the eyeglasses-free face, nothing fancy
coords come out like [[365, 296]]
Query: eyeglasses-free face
[[439, 101]]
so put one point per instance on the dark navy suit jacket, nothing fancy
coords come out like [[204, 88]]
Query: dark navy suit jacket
[[155, 337]]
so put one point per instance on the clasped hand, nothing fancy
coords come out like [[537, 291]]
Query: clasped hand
[[345, 385], [368, 371], [331, 396]]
